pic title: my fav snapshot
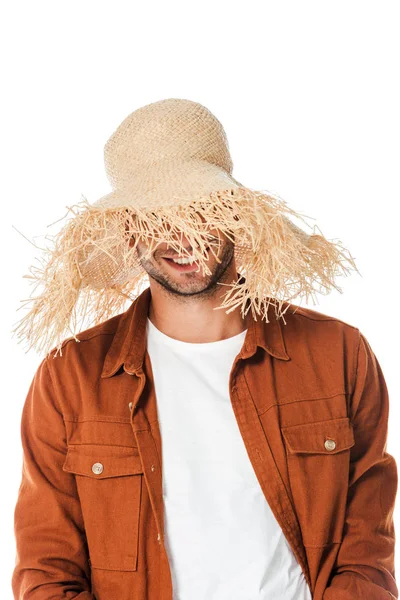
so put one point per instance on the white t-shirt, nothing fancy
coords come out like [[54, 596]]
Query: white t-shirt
[[222, 539]]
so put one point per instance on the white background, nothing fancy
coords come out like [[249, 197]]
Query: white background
[[307, 93]]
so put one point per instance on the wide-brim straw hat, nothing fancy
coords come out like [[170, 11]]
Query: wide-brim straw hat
[[170, 170]]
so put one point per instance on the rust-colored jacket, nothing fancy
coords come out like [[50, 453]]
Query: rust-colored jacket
[[312, 406]]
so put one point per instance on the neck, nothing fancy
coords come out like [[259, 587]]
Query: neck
[[193, 319]]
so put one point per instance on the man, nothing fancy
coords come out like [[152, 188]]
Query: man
[[179, 451]]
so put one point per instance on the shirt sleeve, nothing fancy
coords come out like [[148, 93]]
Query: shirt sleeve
[[51, 559], [364, 566]]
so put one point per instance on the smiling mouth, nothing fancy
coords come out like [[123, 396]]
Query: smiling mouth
[[185, 260], [182, 264]]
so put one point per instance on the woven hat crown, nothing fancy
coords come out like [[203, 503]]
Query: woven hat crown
[[168, 131]]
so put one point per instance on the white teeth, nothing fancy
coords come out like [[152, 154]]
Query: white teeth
[[183, 261]]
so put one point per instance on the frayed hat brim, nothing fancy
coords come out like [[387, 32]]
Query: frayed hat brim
[[91, 271]]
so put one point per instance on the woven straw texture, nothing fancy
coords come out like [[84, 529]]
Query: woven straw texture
[[170, 171]]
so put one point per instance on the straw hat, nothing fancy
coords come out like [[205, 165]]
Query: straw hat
[[170, 171]]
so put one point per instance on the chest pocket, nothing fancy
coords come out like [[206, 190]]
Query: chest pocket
[[109, 483], [318, 459]]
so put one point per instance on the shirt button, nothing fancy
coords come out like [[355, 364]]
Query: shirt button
[[97, 468], [330, 445], [130, 405]]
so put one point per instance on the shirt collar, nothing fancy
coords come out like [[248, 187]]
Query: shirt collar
[[129, 344]]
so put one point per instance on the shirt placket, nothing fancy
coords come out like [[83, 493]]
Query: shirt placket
[[264, 465], [152, 471]]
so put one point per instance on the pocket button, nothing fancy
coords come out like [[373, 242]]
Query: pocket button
[[330, 445], [97, 468]]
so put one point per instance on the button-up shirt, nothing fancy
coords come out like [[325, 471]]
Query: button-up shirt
[[312, 407]]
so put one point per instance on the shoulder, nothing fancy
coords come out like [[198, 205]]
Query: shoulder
[[91, 336], [315, 326], [303, 313], [310, 314], [84, 355]]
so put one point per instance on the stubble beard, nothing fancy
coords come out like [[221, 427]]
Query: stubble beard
[[193, 283]]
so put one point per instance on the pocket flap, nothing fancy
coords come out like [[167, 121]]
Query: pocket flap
[[101, 461], [322, 437]]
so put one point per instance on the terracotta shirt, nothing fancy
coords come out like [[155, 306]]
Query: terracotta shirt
[[312, 407]]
